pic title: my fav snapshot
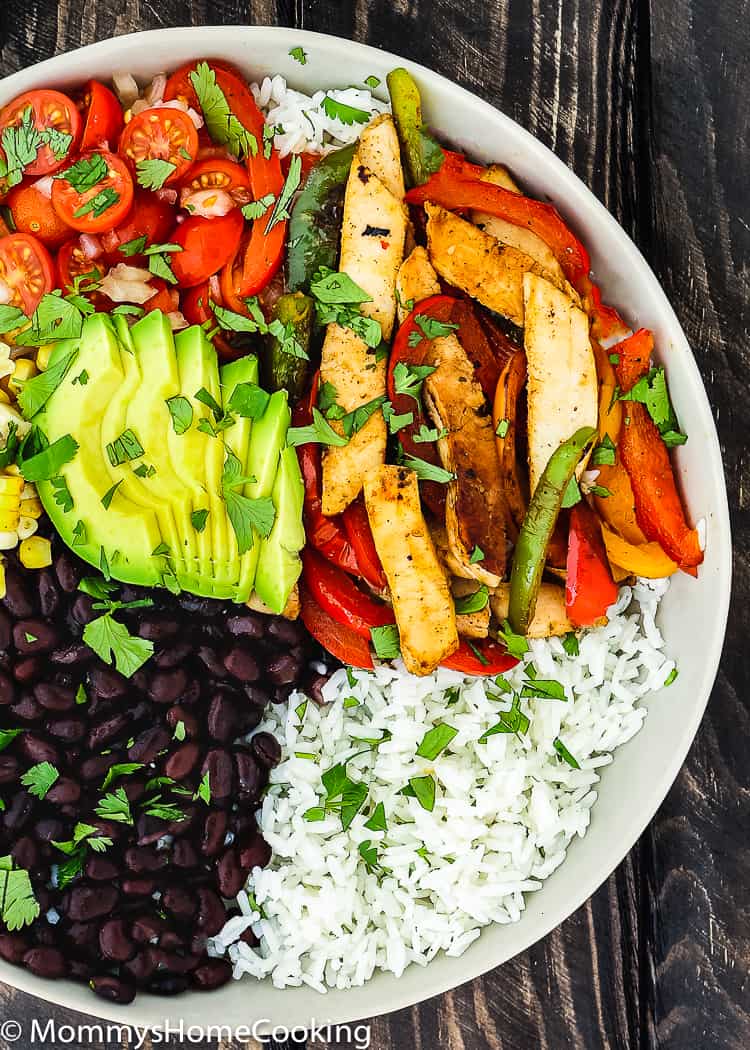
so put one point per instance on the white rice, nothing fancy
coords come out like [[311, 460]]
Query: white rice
[[504, 814], [301, 121]]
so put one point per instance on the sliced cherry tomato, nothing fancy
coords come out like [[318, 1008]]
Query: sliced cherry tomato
[[51, 112], [357, 526], [160, 134], [338, 595], [101, 207], [207, 245], [33, 213], [150, 217], [166, 298], [26, 268], [236, 92], [194, 303], [102, 116], [72, 263], [218, 173], [340, 641], [494, 658]]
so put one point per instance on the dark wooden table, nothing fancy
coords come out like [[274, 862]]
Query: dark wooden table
[[648, 103]]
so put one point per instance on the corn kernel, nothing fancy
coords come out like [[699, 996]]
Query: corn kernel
[[9, 502], [10, 486], [4, 399], [43, 355], [25, 369], [28, 491], [2, 580], [32, 508], [9, 519], [8, 540], [13, 469], [35, 553], [26, 527]]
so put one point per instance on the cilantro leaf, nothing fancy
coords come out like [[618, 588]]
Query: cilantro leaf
[[423, 789], [372, 82], [46, 464], [85, 173], [221, 123], [134, 247], [37, 391], [204, 789], [124, 448], [7, 736], [245, 514], [120, 769], [257, 209], [181, 411], [152, 173], [112, 641], [565, 754], [299, 55], [346, 114], [11, 317], [516, 644], [330, 287], [386, 641], [18, 905], [436, 740], [408, 379], [473, 603], [570, 644], [98, 204], [427, 434], [477, 555], [249, 400], [61, 494], [604, 453], [572, 494], [428, 471], [502, 428], [377, 821], [40, 778], [291, 184], [115, 806], [55, 318], [19, 144], [318, 432]]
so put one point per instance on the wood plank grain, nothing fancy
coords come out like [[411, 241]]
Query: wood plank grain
[[648, 104]]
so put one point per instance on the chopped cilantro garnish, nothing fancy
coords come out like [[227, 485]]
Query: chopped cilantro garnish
[[436, 740], [564, 753], [245, 514], [152, 173], [386, 642], [40, 778], [221, 123]]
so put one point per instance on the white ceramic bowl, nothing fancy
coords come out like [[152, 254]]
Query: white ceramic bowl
[[693, 614]]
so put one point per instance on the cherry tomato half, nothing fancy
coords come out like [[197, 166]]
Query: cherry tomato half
[[217, 173], [101, 207], [72, 262], [161, 134], [51, 111], [26, 268], [33, 213], [194, 303], [150, 217], [167, 298], [102, 116], [236, 91], [207, 244]]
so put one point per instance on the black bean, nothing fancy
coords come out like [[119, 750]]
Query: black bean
[[180, 902], [7, 690], [48, 829], [286, 632], [27, 709], [49, 596], [71, 655], [211, 914], [37, 749], [248, 625], [13, 947], [18, 811], [134, 788], [91, 902], [178, 714], [214, 832], [9, 769], [184, 855], [83, 937], [100, 869], [168, 686], [182, 761], [248, 937], [138, 887], [18, 599], [107, 731], [28, 670], [148, 744], [115, 942], [174, 961], [113, 989], [212, 974], [45, 962], [141, 967], [241, 664], [218, 765], [107, 683], [83, 610], [258, 697], [249, 781], [223, 718], [54, 697], [314, 687], [25, 852], [266, 749], [255, 854], [140, 859], [80, 970], [211, 661], [171, 941], [97, 766], [173, 654], [6, 630], [158, 630], [284, 668], [168, 984], [230, 875], [68, 572], [67, 729], [147, 929]]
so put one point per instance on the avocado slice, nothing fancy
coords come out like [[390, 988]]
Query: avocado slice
[[198, 458], [131, 531], [237, 437], [279, 564], [267, 439], [131, 412]]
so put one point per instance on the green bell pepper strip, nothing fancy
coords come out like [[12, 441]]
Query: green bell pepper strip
[[538, 525], [315, 224], [281, 369], [420, 153]]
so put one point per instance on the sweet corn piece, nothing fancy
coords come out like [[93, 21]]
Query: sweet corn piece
[[43, 355], [25, 369], [31, 508], [11, 486], [26, 527], [9, 502], [35, 552], [28, 491], [2, 580], [13, 470], [8, 540], [4, 399], [9, 519]]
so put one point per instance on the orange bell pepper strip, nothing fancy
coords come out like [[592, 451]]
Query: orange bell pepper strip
[[645, 559], [589, 587], [658, 507], [458, 186]]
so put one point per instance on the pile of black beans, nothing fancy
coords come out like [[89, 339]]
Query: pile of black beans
[[139, 914]]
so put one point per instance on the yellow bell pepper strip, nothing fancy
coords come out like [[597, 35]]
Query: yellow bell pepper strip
[[538, 525], [645, 559]]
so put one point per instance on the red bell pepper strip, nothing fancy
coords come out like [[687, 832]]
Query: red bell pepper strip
[[357, 527], [340, 641], [658, 507], [589, 587], [487, 355], [458, 186], [495, 658], [339, 596]]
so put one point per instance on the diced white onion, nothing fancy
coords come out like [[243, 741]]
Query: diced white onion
[[91, 246], [214, 288], [6, 293], [126, 88], [127, 284], [177, 320], [44, 186], [155, 91], [167, 195], [208, 203]]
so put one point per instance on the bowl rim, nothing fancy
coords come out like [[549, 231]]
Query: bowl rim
[[208, 42]]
